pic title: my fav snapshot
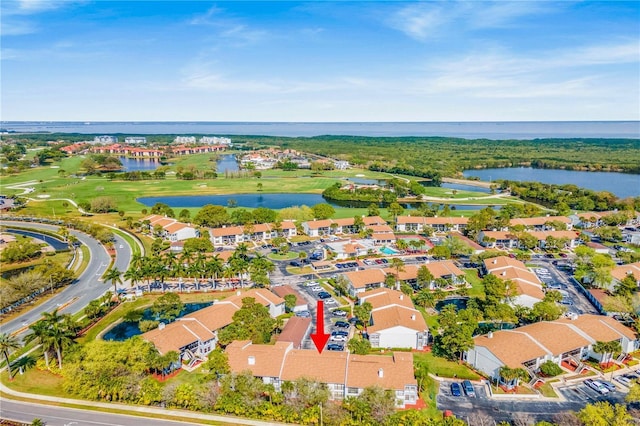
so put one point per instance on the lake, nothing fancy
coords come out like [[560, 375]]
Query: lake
[[127, 329], [138, 164], [620, 184], [270, 201]]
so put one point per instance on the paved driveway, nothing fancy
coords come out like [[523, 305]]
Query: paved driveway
[[577, 396]]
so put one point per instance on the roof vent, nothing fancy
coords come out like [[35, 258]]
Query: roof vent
[[380, 372], [495, 261], [161, 326], [413, 317], [401, 296], [251, 360], [490, 335], [503, 273], [238, 293]]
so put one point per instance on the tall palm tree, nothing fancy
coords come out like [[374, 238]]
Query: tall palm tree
[[114, 277], [40, 333], [8, 343], [61, 332], [398, 265], [214, 267], [133, 275]]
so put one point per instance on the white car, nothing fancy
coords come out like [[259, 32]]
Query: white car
[[330, 302], [316, 288], [338, 338], [596, 386]]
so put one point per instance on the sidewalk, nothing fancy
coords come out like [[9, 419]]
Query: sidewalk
[[131, 409]]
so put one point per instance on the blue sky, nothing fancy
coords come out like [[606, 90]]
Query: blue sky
[[320, 61]]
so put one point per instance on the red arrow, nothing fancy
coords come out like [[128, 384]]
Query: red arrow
[[320, 338]]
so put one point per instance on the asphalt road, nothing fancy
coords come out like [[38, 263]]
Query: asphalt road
[[85, 289], [58, 416]]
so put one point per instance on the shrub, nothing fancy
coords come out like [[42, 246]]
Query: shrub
[[550, 369]]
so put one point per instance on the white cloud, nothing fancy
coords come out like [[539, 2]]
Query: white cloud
[[422, 21]]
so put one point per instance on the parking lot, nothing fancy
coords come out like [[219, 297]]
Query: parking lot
[[574, 397], [340, 334]]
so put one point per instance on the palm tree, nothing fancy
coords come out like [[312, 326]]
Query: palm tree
[[133, 275], [398, 265], [402, 245], [214, 267], [40, 333], [8, 343], [607, 349], [61, 332], [115, 277], [511, 376]]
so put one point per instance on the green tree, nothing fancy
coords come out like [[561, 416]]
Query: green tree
[[425, 277], [212, 216], [511, 376], [252, 321], [395, 209], [602, 413], [8, 343], [373, 210], [546, 311], [550, 369], [290, 302], [217, 363], [167, 307], [114, 277], [198, 245], [373, 406], [456, 333], [184, 215], [627, 287], [440, 252], [398, 265], [359, 346], [323, 211], [363, 311], [607, 349]]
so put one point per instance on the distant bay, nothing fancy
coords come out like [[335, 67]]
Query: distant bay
[[467, 130], [622, 185]]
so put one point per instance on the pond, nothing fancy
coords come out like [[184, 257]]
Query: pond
[[127, 329], [138, 164], [227, 163], [458, 302], [620, 184]]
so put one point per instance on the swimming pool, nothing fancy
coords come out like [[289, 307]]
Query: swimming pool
[[388, 251]]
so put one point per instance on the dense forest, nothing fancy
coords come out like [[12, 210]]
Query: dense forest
[[429, 156], [449, 156]]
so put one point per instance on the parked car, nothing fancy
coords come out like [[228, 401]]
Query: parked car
[[339, 313], [596, 386], [335, 347], [316, 288], [340, 333], [330, 302], [455, 389], [468, 389], [342, 324], [303, 314], [610, 386], [324, 295], [626, 379], [338, 338]]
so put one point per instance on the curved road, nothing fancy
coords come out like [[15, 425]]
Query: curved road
[[87, 286]]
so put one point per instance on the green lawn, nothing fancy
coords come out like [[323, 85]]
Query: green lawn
[[49, 182], [36, 381], [445, 368], [477, 288]]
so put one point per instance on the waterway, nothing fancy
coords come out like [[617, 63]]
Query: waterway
[[227, 163], [620, 184]]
